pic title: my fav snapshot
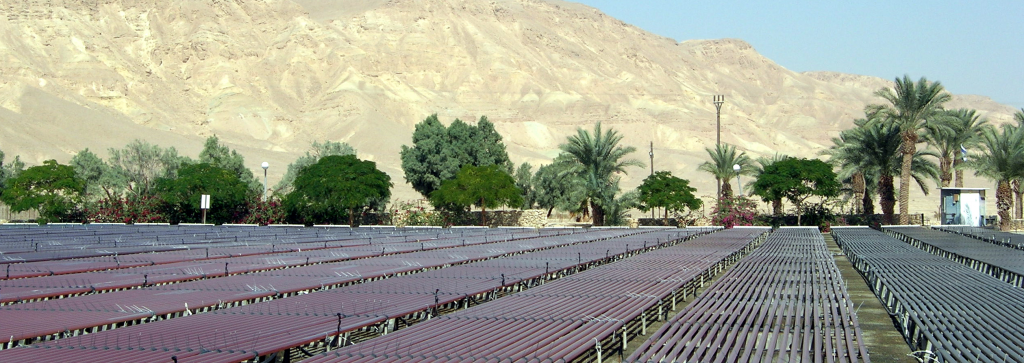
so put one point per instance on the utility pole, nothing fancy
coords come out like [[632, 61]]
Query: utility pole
[[652, 172], [718, 100]]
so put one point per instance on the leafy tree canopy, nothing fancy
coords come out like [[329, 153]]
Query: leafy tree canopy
[[524, 181], [335, 186], [483, 186], [316, 151], [557, 185], [140, 164], [51, 188], [180, 196], [666, 191], [439, 152], [219, 155], [99, 178], [796, 180], [9, 170]]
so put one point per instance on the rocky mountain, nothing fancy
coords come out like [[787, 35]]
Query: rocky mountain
[[271, 76]]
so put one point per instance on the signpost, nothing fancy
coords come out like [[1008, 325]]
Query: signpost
[[204, 204]]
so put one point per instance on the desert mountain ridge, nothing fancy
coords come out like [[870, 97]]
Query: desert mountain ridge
[[271, 76]]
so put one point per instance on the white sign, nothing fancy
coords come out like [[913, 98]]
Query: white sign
[[204, 202]]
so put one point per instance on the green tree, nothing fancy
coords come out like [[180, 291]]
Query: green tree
[[909, 105], [140, 164], [180, 196], [316, 151], [438, 152], [51, 188], [1001, 159], [558, 185], [669, 192], [100, 180], [797, 180], [221, 156], [9, 170], [336, 186], [762, 163], [723, 157], [597, 158], [524, 181], [483, 186]]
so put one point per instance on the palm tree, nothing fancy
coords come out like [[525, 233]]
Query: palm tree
[[873, 150], [954, 130], [910, 105], [723, 157], [598, 157], [1016, 183], [844, 155], [1001, 159], [762, 163]]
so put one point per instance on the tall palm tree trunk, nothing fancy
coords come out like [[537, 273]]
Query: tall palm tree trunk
[[859, 189], [1018, 207], [1004, 201], [887, 198], [909, 149], [869, 205], [598, 213], [959, 181], [726, 190], [945, 171]]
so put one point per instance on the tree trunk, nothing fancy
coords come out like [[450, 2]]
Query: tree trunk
[[869, 205], [1018, 208], [549, 211], [945, 171], [777, 206], [351, 217], [959, 181], [1004, 201], [483, 213], [666, 215], [598, 214], [909, 148], [726, 191], [799, 214], [886, 198], [859, 189]]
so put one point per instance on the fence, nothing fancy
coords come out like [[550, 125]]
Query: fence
[[7, 215]]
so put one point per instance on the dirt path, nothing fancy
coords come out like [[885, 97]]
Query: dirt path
[[884, 342]]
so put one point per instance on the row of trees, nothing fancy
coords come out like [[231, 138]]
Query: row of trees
[[147, 183], [461, 166], [885, 144]]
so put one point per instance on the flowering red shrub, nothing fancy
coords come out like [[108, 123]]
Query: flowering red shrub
[[125, 210], [734, 211], [264, 212]]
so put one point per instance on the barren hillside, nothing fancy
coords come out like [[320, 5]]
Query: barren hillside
[[270, 76]]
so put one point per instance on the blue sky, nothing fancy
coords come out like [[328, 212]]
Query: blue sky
[[972, 47]]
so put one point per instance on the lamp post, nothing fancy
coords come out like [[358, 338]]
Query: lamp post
[[718, 100], [739, 184], [265, 166], [652, 172]]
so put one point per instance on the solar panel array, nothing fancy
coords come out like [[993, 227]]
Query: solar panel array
[[1004, 263], [955, 313], [564, 319], [784, 302], [324, 302]]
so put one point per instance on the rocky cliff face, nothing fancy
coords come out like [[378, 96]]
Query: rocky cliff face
[[270, 76]]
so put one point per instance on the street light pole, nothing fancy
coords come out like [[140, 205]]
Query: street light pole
[[718, 100], [739, 184], [265, 166], [652, 172]]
